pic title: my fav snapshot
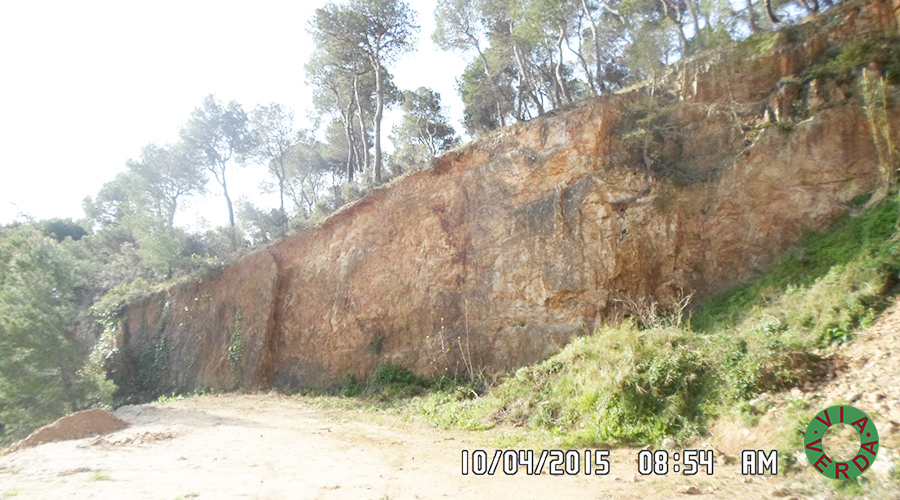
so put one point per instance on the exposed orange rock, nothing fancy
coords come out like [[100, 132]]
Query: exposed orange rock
[[513, 244]]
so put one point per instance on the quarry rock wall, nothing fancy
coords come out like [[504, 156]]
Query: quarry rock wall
[[506, 248]]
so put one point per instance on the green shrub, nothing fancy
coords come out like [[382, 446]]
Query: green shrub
[[391, 382], [390, 374], [44, 364], [845, 61], [621, 384], [236, 347], [829, 284], [349, 387]]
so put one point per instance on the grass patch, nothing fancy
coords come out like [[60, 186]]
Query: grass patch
[[390, 385], [845, 61], [349, 387], [390, 382], [623, 384], [829, 285], [99, 476]]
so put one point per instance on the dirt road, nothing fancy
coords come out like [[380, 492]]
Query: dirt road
[[276, 447]]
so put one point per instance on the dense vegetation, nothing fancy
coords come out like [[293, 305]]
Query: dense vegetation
[[62, 281]]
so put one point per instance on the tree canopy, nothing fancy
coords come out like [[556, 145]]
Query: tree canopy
[[42, 359], [379, 30], [218, 135], [424, 132]]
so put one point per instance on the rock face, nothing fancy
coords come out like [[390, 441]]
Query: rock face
[[508, 247]]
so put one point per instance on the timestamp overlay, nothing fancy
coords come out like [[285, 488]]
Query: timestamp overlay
[[598, 462]]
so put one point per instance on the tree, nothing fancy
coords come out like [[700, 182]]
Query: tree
[[60, 229], [308, 173], [424, 132], [333, 151], [42, 360], [521, 69], [482, 111], [540, 27], [163, 176], [459, 26], [380, 29], [115, 202], [274, 136], [217, 135], [134, 215], [261, 226], [335, 76]]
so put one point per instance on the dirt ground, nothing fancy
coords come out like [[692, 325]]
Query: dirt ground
[[274, 447], [269, 446]]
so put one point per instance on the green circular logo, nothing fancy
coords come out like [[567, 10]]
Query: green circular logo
[[868, 442]]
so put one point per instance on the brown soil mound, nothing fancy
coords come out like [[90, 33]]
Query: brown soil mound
[[78, 425]]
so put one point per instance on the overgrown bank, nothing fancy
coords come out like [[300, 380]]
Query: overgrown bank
[[670, 375], [636, 382]]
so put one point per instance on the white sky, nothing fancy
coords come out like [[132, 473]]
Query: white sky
[[84, 85]]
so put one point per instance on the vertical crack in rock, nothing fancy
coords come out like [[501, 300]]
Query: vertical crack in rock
[[265, 367]]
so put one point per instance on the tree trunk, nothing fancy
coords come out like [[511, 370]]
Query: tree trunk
[[692, 8], [219, 172], [281, 193], [224, 184], [362, 124], [346, 116], [281, 175], [230, 207], [771, 12], [338, 198], [349, 154], [494, 86], [559, 78], [676, 18], [548, 78], [525, 85], [379, 109], [357, 148], [596, 47], [173, 207], [682, 39], [751, 17], [351, 151], [584, 64]]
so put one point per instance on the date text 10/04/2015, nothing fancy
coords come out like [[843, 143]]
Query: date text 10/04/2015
[[573, 462]]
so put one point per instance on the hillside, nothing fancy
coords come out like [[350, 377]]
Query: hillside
[[510, 247], [701, 262]]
